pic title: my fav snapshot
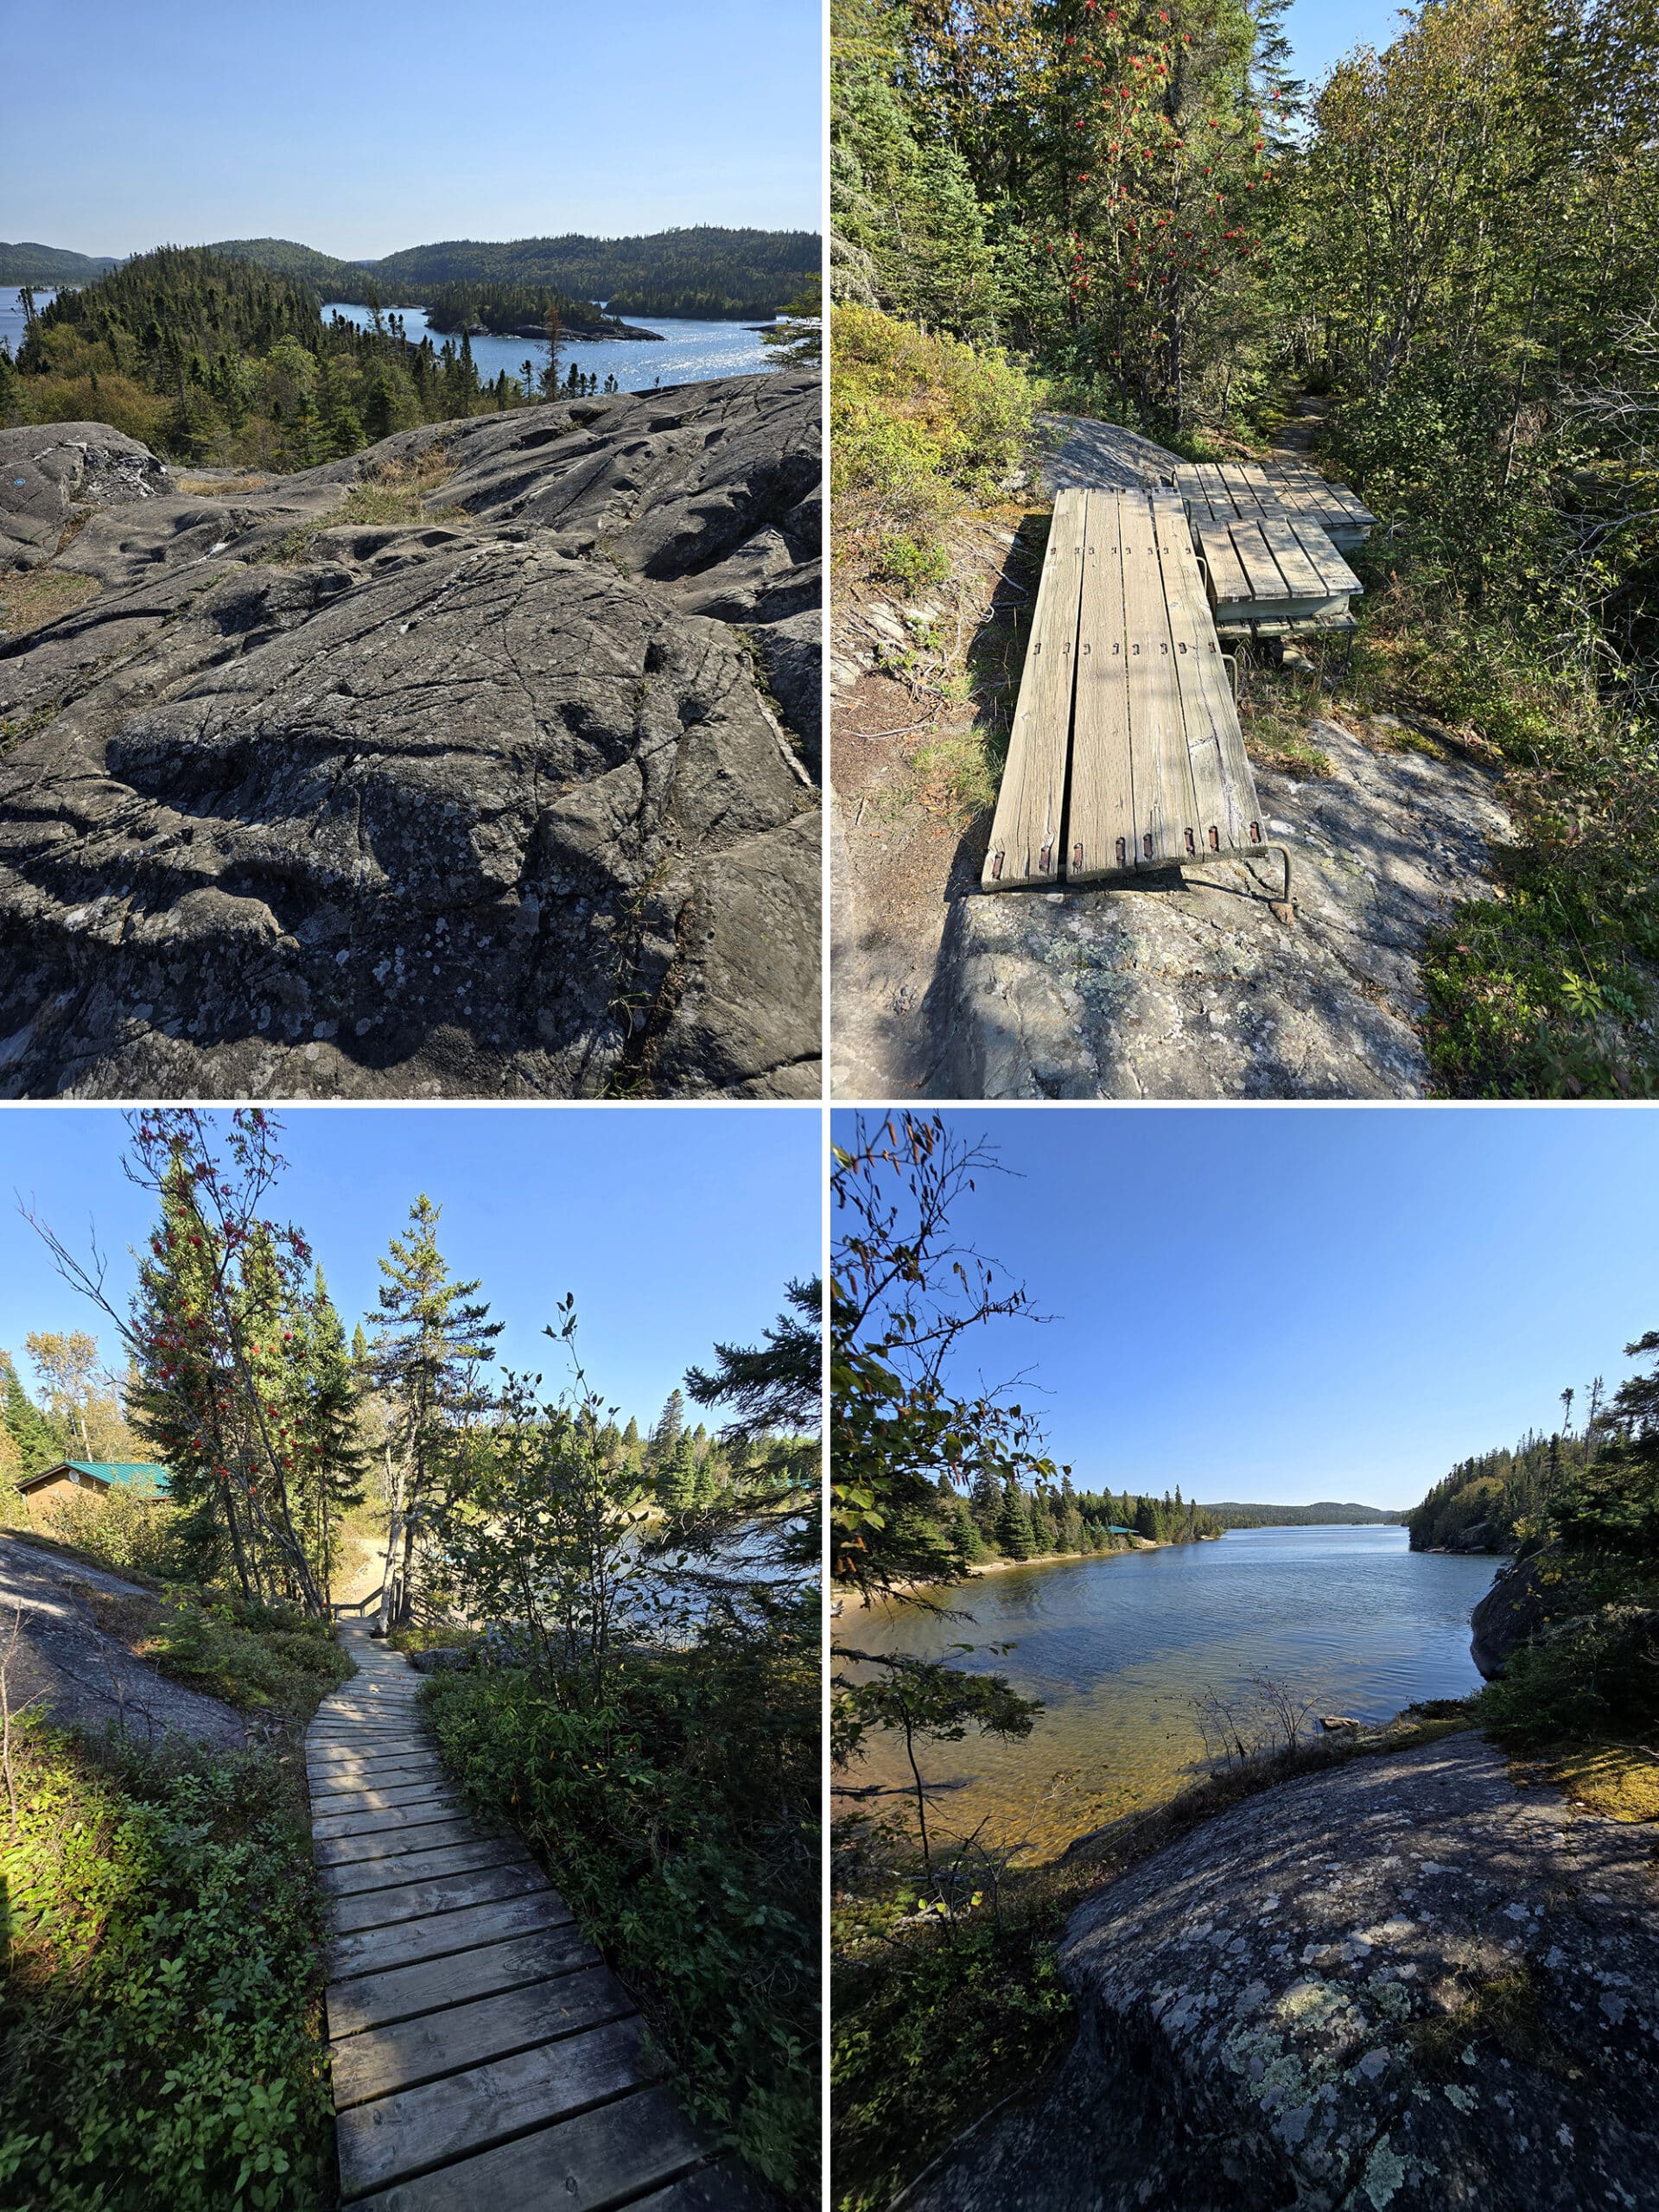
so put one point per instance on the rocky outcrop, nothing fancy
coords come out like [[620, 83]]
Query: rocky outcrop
[[1523, 1599], [514, 800], [1404, 1984], [1191, 988], [51, 473]]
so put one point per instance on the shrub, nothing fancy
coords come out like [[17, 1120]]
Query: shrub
[[921, 427], [677, 1811], [122, 1527], [160, 2023]]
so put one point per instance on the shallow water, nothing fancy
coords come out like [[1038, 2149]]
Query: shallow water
[[689, 351], [1118, 1648]]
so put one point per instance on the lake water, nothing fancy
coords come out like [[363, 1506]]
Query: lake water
[[11, 313], [1118, 1647], [689, 352]]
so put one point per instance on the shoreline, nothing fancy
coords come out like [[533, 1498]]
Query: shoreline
[[1054, 1558]]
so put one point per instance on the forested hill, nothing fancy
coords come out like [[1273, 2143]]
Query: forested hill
[[723, 271], [1324, 1514], [1490, 1502], [705, 271], [26, 263]]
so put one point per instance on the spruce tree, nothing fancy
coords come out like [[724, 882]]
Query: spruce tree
[[1013, 1537], [433, 1335]]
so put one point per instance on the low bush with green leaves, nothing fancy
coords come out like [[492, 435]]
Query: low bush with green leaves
[[675, 1802], [923, 426], [160, 2038]]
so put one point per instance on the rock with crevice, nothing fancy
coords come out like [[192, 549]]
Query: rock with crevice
[[1405, 1984], [471, 806], [51, 473], [1189, 986]]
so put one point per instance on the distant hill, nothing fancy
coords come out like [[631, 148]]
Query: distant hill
[[52, 265], [1324, 1514], [724, 270], [331, 278]]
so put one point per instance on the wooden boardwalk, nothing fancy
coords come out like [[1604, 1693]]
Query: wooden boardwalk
[[484, 2057], [1278, 568], [1126, 753], [1219, 493]]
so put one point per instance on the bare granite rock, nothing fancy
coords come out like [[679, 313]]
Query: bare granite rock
[[1188, 987], [69, 1669], [49, 471], [1403, 1986], [477, 807]]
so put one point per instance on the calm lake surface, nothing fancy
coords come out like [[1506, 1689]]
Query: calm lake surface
[[1118, 1648], [688, 352], [11, 313]]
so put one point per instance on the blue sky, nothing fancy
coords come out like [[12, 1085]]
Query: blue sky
[[361, 126], [673, 1226], [1286, 1305], [1322, 31]]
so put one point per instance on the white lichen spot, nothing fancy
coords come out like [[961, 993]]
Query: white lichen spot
[[1464, 2099], [1384, 2172]]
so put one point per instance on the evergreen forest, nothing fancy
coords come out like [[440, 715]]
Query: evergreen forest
[[629, 1601], [1448, 252], [220, 362]]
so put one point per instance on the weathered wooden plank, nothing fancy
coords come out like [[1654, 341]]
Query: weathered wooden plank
[[604, 2157], [401, 2057], [416, 2129], [382, 1908], [1100, 814], [1228, 585], [1296, 561], [326, 1826], [388, 1843], [355, 1879], [1031, 802], [1336, 579], [374, 2001], [1256, 560], [334, 1781], [1192, 639], [1166, 815], [408, 1943], [722, 2187], [331, 1804]]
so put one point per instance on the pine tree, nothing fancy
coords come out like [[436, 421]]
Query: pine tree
[[1013, 1537], [39, 1445], [666, 1436], [432, 1337]]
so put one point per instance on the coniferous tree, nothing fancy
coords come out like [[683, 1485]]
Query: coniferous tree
[[1013, 1532], [433, 1336]]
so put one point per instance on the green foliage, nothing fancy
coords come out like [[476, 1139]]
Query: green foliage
[[38, 1444], [920, 428], [1589, 1675], [931, 2030], [1495, 1494], [267, 1659], [162, 2011], [675, 1803], [215, 358], [752, 271], [509, 309], [51, 264], [123, 1528], [1324, 1513]]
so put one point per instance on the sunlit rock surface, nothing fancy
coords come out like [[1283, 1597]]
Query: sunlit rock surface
[[1407, 1983], [512, 800]]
